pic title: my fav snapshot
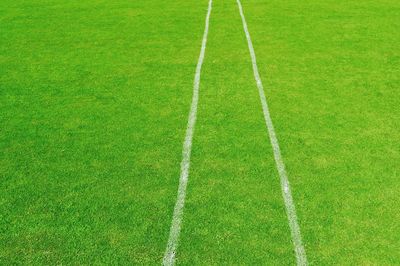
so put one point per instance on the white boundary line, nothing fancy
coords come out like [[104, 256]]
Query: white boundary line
[[287, 195], [169, 255]]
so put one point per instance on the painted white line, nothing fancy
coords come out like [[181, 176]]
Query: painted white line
[[169, 256], [285, 187]]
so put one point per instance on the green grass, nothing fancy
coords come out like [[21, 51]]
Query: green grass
[[94, 103], [94, 98], [333, 72]]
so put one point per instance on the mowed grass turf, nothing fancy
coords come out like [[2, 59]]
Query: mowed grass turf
[[234, 209], [93, 111], [332, 72]]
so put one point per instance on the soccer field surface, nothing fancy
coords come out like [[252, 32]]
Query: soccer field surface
[[107, 155]]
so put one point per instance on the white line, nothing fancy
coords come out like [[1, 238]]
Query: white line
[[287, 195], [169, 256]]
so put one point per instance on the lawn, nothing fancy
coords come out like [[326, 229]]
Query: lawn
[[94, 104]]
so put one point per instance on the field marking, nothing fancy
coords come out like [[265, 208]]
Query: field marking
[[169, 255], [285, 187]]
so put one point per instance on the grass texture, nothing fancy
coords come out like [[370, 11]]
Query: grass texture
[[94, 99]]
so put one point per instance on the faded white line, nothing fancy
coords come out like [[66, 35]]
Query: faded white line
[[285, 187], [169, 256]]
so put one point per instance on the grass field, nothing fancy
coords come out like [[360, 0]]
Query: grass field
[[94, 104]]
